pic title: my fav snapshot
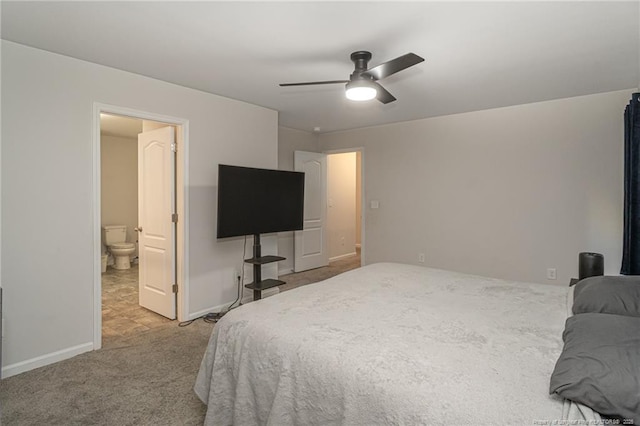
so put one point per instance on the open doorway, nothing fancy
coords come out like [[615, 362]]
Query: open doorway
[[140, 222], [334, 224], [122, 311], [333, 227], [344, 207]]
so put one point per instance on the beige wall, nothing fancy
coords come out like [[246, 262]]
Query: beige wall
[[506, 192], [341, 203], [119, 183], [48, 194], [290, 140]]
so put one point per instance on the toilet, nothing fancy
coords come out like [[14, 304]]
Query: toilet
[[115, 237]]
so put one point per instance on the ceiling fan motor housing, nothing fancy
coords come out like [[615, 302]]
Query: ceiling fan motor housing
[[361, 60]]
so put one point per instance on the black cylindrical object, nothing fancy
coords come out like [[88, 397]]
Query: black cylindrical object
[[590, 265]]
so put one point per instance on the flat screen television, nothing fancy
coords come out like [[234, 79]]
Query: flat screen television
[[255, 201]]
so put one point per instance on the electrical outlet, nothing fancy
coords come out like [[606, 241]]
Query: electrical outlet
[[551, 273], [421, 257]]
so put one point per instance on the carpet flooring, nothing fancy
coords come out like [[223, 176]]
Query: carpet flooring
[[145, 378], [314, 275]]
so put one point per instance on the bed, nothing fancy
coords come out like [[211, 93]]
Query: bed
[[389, 344]]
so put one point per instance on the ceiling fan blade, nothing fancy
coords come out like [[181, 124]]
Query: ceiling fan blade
[[383, 95], [309, 83], [393, 66]]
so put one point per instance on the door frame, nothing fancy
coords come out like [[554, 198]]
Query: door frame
[[363, 205], [182, 206]]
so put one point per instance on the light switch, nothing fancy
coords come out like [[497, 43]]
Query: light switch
[[375, 204]]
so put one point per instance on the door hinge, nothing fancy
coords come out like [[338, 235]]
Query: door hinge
[[174, 147], [174, 217], [174, 288]]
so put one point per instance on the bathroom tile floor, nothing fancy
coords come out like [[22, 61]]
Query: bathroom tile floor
[[121, 313]]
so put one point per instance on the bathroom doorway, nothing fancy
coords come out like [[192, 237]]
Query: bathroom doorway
[[133, 172]]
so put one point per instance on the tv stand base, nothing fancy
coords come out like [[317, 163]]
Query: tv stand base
[[259, 285]]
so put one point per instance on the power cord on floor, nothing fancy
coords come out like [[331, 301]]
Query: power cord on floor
[[211, 318], [214, 317]]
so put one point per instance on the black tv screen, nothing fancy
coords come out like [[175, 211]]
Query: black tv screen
[[258, 201]]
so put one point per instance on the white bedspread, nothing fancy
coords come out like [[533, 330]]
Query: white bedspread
[[388, 344]]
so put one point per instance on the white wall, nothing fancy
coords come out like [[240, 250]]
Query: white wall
[[290, 140], [119, 183], [47, 191], [506, 192], [341, 200]]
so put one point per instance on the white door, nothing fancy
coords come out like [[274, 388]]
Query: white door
[[310, 244], [156, 229]]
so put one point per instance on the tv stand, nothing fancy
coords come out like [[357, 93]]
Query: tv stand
[[259, 285]]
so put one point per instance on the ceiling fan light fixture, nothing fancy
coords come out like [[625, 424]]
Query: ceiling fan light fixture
[[363, 82], [360, 91]]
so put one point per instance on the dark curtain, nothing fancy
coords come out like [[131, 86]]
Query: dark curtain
[[631, 240]]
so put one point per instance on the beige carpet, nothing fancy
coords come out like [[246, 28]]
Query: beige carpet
[[319, 274], [141, 379]]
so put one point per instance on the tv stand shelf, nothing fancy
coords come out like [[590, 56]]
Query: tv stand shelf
[[264, 284], [258, 285], [264, 260]]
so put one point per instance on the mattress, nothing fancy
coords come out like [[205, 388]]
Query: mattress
[[388, 344]]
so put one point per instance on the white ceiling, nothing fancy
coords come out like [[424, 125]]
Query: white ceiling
[[479, 55]]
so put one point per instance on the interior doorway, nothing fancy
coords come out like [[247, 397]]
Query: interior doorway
[[124, 312], [140, 188], [344, 205], [333, 221]]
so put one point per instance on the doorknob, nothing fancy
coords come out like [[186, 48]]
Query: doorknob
[[138, 229]]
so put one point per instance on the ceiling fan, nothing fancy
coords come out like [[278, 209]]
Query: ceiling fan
[[362, 84]]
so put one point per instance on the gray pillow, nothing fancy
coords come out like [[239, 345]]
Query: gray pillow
[[600, 364], [608, 295]]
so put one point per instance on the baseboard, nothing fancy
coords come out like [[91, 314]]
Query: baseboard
[[246, 298], [285, 271], [41, 361], [342, 256]]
